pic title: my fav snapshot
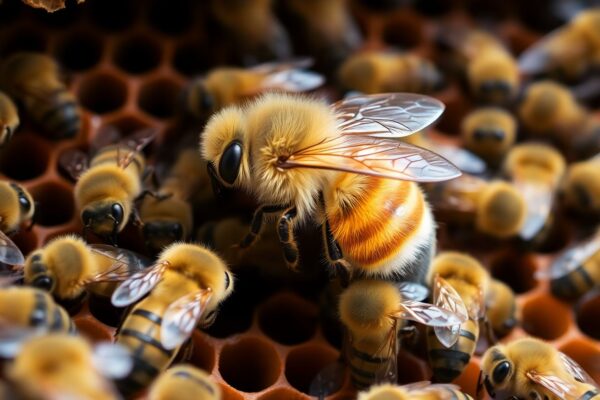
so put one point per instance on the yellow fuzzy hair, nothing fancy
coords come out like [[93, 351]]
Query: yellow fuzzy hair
[[535, 161], [385, 391], [489, 117], [192, 384], [581, 187], [493, 64], [9, 208], [502, 305], [501, 210]]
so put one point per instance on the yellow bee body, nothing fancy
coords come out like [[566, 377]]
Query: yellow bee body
[[34, 80], [184, 382], [489, 133], [581, 187], [414, 391], [501, 308], [9, 119], [16, 206]]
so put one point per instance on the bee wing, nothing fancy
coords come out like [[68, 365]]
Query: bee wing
[[412, 291], [556, 385], [575, 370], [295, 63], [538, 198], [292, 80], [9, 252], [125, 263], [136, 143], [373, 156], [570, 259], [447, 298], [388, 371], [12, 337], [476, 310], [428, 314], [328, 380], [465, 160], [181, 318], [534, 60], [105, 136], [138, 285], [75, 162], [112, 360], [388, 115]]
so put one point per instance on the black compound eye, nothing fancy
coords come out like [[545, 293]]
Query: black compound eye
[[501, 371], [86, 217], [497, 134], [207, 101], [43, 282], [24, 202], [229, 165], [479, 134], [176, 231], [117, 212]]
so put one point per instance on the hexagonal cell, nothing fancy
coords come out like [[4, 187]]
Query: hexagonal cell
[[159, 97], [282, 393], [26, 240], [55, 203], [545, 317], [203, 355], [410, 368], [587, 314], [112, 15], [288, 319], [404, 30], [92, 329], [192, 58], [23, 39], [585, 353], [305, 362], [102, 93], [516, 270], [17, 167], [469, 378], [137, 54], [173, 17], [79, 50], [249, 364]]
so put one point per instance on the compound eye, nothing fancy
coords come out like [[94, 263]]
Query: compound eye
[[176, 231], [117, 212], [87, 217], [207, 101], [497, 134], [43, 282], [501, 371], [230, 162], [24, 202], [479, 134]]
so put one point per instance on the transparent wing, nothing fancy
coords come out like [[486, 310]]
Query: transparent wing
[[445, 297], [181, 318], [535, 59], [373, 156], [538, 198], [570, 259], [124, 263], [476, 310], [293, 80], [463, 159], [388, 115], [388, 351], [9, 252], [12, 337], [112, 360], [74, 162], [138, 285], [427, 314], [412, 291], [575, 370], [556, 385], [328, 380], [136, 143], [105, 136]]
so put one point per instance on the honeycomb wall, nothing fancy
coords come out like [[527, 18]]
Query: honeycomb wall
[[127, 62]]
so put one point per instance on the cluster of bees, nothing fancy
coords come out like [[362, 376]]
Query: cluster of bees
[[353, 169]]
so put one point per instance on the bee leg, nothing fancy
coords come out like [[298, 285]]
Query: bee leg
[[335, 257], [285, 231], [256, 224]]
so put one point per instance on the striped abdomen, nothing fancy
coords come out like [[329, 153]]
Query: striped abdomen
[[46, 313], [579, 281], [58, 113], [370, 360], [449, 362]]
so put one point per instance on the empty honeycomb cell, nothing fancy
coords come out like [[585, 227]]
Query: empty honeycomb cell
[[92, 329], [588, 314], [102, 93], [159, 97], [468, 379], [172, 17], [404, 31], [433, 8], [192, 57], [249, 364], [288, 319], [17, 167], [545, 317], [410, 368], [23, 39], [516, 270], [585, 353], [282, 393], [79, 50], [112, 15], [126, 124], [11, 10], [203, 355], [54, 203], [137, 54], [305, 362], [26, 240]]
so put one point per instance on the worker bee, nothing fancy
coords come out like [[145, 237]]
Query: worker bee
[[372, 312], [106, 190], [568, 52], [59, 366], [299, 156], [496, 208], [16, 208], [528, 368], [184, 382], [382, 72], [253, 28], [414, 391], [26, 312], [501, 308], [185, 287], [489, 133], [449, 354], [34, 80], [225, 86], [9, 119], [48, 5], [536, 170], [580, 189]]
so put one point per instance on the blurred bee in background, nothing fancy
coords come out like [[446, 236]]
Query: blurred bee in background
[[16, 208], [587, 142], [225, 86], [451, 348], [536, 171], [34, 80], [184, 288], [496, 208], [26, 312], [299, 156], [9, 119], [580, 190], [383, 72], [414, 391], [48, 5], [532, 369], [106, 189], [568, 52], [59, 366], [501, 308], [373, 313], [256, 34], [489, 133], [184, 382]]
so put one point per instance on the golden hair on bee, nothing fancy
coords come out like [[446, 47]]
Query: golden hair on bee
[[501, 308], [16, 206], [501, 210], [535, 161], [184, 382], [580, 189], [489, 132], [415, 391], [9, 119]]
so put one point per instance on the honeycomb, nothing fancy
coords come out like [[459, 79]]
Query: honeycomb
[[127, 62]]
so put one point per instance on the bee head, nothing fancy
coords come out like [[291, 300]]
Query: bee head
[[496, 371], [159, 234], [26, 203], [198, 99], [494, 78], [37, 274], [105, 218]]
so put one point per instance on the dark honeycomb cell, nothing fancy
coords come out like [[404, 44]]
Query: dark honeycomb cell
[[138, 54], [588, 314], [203, 355], [304, 362], [282, 393], [54, 203], [545, 317], [102, 93], [173, 17], [192, 57], [23, 39], [516, 270], [113, 15], [79, 50], [288, 319], [159, 97], [17, 167], [404, 31], [26, 239]]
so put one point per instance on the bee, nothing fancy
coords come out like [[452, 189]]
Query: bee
[[495, 208], [106, 189], [501, 308], [449, 354], [536, 170], [48, 5], [254, 30], [382, 72], [417, 391], [59, 366], [372, 312], [225, 86], [16, 208], [184, 382], [529, 368], [184, 287], [168, 216], [580, 189], [34, 80], [299, 157], [9, 119], [489, 132], [25, 312], [568, 52], [587, 142]]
